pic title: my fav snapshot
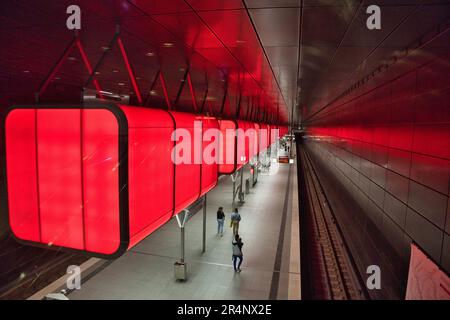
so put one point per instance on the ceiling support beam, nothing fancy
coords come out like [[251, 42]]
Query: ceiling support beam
[[74, 42], [103, 56], [238, 107], [191, 89], [130, 70], [222, 108], [48, 78], [89, 67], [206, 93], [166, 95], [180, 89], [152, 87]]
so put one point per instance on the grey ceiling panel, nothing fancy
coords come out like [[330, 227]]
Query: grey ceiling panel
[[277, 27], [337, 50], [283, 56], [278, 30], [272, 3]]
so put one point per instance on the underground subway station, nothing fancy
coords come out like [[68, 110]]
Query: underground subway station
[[229, 157]]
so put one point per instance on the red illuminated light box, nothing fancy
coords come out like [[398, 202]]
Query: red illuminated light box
[[228, 147], [98, 178], [238, 151], [210, 146]]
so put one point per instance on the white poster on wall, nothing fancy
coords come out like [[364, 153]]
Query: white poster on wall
[[426, 281]]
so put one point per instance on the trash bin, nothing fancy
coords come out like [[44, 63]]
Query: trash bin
[[180, 271]]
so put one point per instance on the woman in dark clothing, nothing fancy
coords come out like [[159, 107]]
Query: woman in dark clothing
[[220, 221], [237, 245]]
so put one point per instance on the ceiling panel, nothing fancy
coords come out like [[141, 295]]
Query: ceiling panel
[[161, 7], [277, 26], [201, 5], [214, 40], [272, 3], [361, 51], [278, 30], [268, 51]]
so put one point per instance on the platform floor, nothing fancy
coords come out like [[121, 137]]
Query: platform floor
[[271, 267]]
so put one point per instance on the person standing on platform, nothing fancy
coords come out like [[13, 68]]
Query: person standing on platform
[[237, 245], [235, 220], [220, 221]]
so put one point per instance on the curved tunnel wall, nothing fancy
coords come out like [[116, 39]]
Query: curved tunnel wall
[[388, 149]]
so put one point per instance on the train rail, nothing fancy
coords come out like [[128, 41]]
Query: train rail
[[25, 270], [330, 274]]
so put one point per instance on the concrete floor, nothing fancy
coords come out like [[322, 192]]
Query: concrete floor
[[269, 270]]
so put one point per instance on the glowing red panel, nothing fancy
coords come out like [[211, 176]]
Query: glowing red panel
[[20, 131], [62, 174], [263, 137], [188, 156], [254, 140], [250, 139], [210, 152], [227, 147], [59, 177], [150, 170], [274, 134], [101, 181], [242, 145], [257, 137]]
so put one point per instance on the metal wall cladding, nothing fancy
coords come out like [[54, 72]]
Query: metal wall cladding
[[396, 167]]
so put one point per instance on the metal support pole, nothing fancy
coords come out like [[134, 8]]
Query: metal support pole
[[242, 179], [182, 244], [180, 266], [241, 187], [234, 191], [204, 225], [290, 147]]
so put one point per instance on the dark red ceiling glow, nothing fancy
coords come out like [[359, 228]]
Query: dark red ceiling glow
[[214, 40]]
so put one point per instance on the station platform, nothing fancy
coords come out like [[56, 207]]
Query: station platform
[[269, 230]]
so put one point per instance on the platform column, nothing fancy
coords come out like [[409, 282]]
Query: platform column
[[180, 266], [204, 225]]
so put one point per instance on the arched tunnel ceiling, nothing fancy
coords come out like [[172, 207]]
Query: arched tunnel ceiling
[[312, 50], [320, 48], [212, 39]]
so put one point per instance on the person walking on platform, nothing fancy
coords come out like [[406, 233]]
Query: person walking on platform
[[235, 220], [220, 221], [237, 245]]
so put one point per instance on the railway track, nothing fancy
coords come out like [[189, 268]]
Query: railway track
[[25, 270], [331, 273]]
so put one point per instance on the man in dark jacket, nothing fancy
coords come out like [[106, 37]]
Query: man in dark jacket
[[235, 220]]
